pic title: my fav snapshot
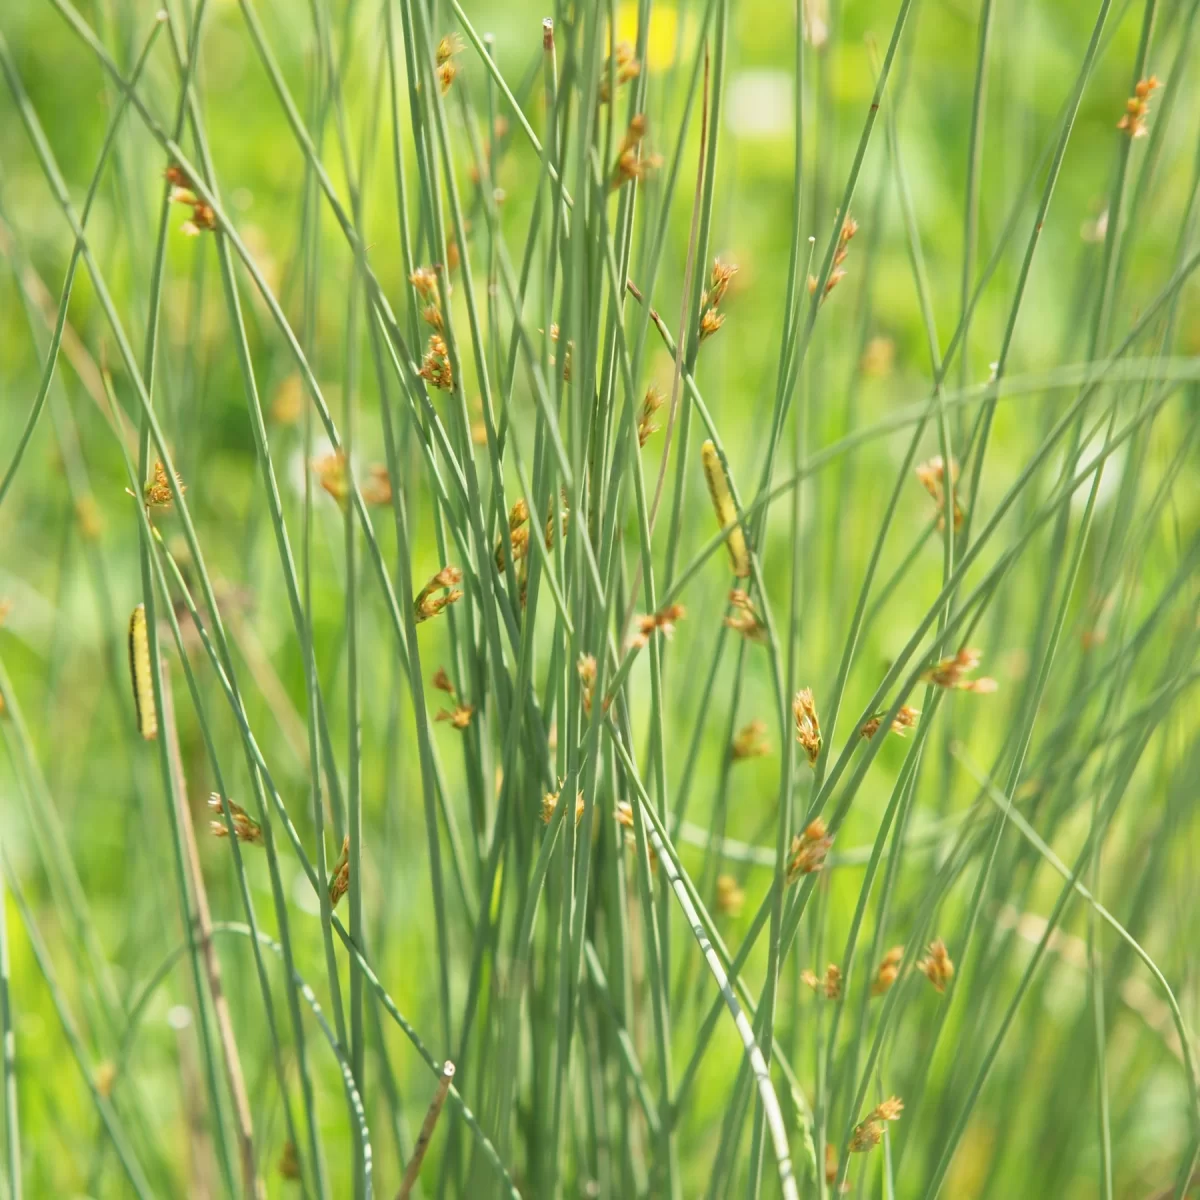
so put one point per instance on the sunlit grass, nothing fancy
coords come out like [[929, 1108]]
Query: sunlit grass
[[521, 818]]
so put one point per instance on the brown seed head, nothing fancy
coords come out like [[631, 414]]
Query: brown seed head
[[808, 850], [159, 491], [428, 605], [888, 970], [436, 365], [653, 401], [339, 883], [245, 828], [330, 470], [808, 728], [937, 965], [424, 279], [745, 618]]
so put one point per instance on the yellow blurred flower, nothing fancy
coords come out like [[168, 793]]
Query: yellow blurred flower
[[661, 38]]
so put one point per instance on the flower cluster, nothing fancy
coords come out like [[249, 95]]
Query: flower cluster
[[1137, 108], [650, 405], [160, 492], [888, 970], [550, 803], [808, 728], [838, 273], [869, 1131], [330, 470], [518, 534], [586, 666], [460, 715], [203, 217], [952, 672], [906, 718], [937, 965], [245, 828], [625, 66], [339, 881], [710, 318], [932, 476], [447, 69], [830, 986], [428, 605], [435, 367], [632, 165], [745, 619], [664, 620], [808, 850]]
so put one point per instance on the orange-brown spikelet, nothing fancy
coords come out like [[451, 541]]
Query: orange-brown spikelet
[[952, 672], [203, 216], [906, 718], [749, 742], [160, 492], [664, 620], [808, 728], [932, 476], [808, 850], [244, 827], [889, 968], [586, 666], [937, 965], [564, 518], [518, 534], [829, 985], [441, 681], [625, 65], [459, 717], [550, 803], [330, 470], [448, 47], [838, 272], [424, 280], [435, 367], [869, 1131], [566, 367], [339, 881], [1137, 108], [710, 319], [623, 813], [718, 283], [447, 67], [650, 405], [710, 322], [745, 618], [428, 605], [632, 164]]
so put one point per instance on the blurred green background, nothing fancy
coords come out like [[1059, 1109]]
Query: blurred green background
[[69, 552]]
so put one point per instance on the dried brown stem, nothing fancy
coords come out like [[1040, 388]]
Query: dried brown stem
[[252, 1184], [427, 1127]]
